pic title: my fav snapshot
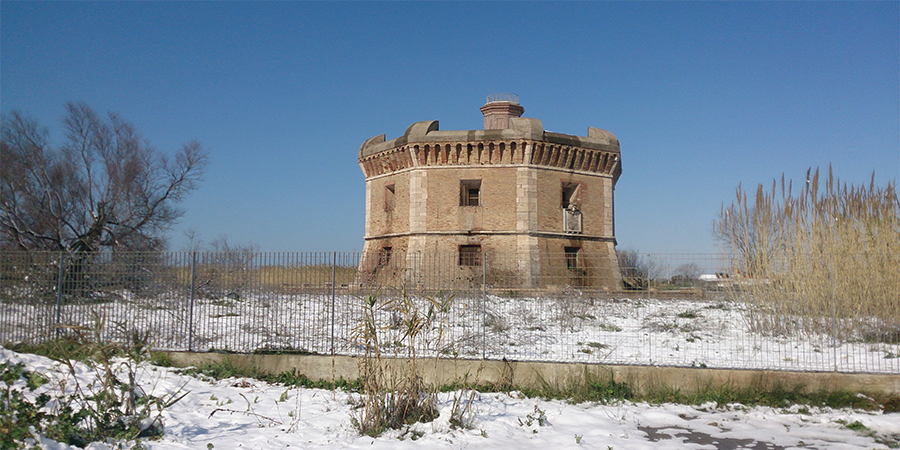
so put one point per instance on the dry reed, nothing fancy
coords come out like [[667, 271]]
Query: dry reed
[[394, 393], [826, 260]]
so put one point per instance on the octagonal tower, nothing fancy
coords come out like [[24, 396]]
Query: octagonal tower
[[512, 199]]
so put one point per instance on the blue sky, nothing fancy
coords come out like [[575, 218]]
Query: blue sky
[[702, 96]]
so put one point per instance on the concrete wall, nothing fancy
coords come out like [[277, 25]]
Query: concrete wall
[[519, 375]]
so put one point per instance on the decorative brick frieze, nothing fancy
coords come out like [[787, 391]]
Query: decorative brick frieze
[[529, 153]]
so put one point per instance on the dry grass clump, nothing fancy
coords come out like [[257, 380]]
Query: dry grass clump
[[394, 393], [825, 260]]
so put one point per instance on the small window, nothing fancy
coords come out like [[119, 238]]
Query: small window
[[384, 256], [571, 195], [389, 197], [572, 257], [470, 192], [469, 255]]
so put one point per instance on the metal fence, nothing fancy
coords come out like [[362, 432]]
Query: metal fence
[[682, 314]]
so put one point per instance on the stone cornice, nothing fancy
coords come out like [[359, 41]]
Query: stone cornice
[[501, 166], [541, 234], [520, 128], [562, 155]]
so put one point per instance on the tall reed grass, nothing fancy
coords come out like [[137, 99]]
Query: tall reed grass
[[823, 260], [394, 394]]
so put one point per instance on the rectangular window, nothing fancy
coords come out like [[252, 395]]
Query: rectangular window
[[571, 195], [572, 257], [389, 197], [384, 256], [469, 192], [470, 255]]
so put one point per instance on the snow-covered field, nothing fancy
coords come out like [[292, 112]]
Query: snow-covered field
[[249, 414], [569, 327]]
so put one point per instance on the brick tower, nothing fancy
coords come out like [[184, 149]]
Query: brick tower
[[512, 202]]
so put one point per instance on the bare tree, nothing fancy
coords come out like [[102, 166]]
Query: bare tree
[[227, 270], [686, 273], [635, 269], [104, 187]]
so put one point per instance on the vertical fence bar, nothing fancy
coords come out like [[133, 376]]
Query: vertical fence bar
[[649, 344], [483, 305], [333, 277], [59, 291], [834, 323], [191, 304], [834, 318]]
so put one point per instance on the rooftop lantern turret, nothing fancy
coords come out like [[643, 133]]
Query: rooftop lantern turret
[[500, 107]]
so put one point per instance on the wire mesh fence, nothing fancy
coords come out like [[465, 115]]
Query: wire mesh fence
[[664, 309]]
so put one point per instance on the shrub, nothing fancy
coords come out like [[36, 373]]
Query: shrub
[[112, 406], [394, 395]]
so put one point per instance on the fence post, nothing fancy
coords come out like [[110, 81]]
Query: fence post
[[650, 268], [59, 291], [484, 305], [834, 319], [191, 309], [333, 279]]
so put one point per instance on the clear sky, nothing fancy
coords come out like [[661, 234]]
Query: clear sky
[[702, 96]]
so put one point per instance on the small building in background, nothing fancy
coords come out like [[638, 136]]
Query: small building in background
[[512, 204]]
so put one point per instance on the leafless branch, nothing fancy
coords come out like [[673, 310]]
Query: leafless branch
[[104, 187]]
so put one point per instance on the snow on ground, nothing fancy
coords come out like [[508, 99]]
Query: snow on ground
[[574, 327], [249, 414]]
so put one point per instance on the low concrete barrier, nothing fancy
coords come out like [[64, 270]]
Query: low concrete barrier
[[506, 375]]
